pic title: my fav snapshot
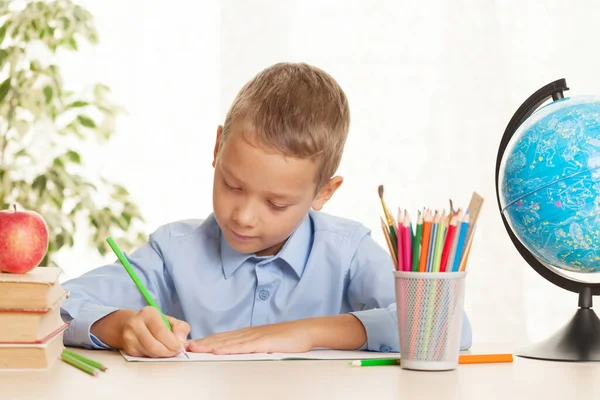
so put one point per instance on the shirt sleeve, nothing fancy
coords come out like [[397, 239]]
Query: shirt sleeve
[[371, 293], [109, 288]]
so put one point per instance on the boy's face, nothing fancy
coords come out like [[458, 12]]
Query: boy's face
[[260, 196]]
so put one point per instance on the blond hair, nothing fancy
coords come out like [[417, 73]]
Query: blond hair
[[298, 110]]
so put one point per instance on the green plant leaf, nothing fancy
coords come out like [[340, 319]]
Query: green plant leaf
[[74, 157], [3, 57], [4, 88], [66, 22], [23, 153], [35, 65], [39, 183], [48, 94], [86, 121], [58, 162], [59, 241], [3, 31], [73, 43], [78, 103]]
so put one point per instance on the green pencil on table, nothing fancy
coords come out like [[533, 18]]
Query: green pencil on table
[[82, 363], [375, 362], [84, 359]]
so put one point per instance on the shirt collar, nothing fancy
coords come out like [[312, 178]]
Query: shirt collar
[[294, 252]]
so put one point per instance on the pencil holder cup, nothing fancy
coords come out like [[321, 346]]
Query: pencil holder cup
[[430, 318]]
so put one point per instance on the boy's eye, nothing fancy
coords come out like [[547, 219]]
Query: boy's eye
[[278, 207], [229, 187]]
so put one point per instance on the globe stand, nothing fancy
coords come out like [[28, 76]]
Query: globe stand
[[577, 341]]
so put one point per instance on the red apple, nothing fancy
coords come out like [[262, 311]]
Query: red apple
[[23, 240]]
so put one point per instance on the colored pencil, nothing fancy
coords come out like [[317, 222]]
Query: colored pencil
[[66, 357], [406, 245], [86, 360], [439, 243], [462, 359], [400, 243], [464, 226], [432, 237], [136, 279], [450, 263], [448, 243], [465, 257], [427, 222], [417, 242]]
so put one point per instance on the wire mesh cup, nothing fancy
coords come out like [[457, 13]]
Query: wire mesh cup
[[430, 318]]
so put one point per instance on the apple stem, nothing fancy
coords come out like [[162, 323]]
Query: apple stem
[[15, 207]]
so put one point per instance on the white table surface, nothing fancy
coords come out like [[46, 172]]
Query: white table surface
[[248, 380]]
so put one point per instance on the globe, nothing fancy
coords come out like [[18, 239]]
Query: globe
[[550, 184], [548, 193]]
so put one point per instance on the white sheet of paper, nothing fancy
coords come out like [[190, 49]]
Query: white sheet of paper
[[321, 354]]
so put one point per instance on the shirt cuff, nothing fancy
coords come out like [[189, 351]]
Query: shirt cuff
[[78, 333], [381, 328]]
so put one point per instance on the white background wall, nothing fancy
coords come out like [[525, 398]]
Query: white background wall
[[431, 84]]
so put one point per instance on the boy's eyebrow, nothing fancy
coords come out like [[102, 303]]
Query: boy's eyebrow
[[228, 172], [272, 195], [281, 196]]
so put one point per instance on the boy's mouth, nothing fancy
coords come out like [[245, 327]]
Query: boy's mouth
[[242, 237]]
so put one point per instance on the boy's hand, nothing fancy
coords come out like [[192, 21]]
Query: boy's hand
[[142, 333], [285, 337], [343, 332]]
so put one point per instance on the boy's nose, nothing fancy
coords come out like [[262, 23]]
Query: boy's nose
[[244, 216]]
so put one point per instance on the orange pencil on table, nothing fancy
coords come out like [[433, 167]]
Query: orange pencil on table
[[484, 358], [427, 220], [448, 243]]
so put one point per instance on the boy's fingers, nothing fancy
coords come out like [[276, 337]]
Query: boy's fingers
[[250, 346], [214, 344], [159, 330], [151, 346], [134, 348], [196, 347], [181, 329]]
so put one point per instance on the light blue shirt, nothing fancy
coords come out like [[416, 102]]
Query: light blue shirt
[[329, 266]]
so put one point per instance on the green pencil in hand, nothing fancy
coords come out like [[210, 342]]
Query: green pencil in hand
[[135, 278]]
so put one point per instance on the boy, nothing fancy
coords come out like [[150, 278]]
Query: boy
[[266, 271]]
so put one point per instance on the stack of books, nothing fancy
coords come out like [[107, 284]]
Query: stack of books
[[31, 328]]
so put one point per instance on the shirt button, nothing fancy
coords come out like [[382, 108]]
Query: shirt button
[[263, 294], [384, 348]]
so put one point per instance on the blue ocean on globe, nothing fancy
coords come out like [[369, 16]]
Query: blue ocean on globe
[[550, 184]]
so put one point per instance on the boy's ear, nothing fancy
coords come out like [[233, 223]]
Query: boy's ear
[[326, 192], [217, 143]]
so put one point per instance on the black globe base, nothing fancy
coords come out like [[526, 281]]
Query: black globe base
[[577, 341]]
